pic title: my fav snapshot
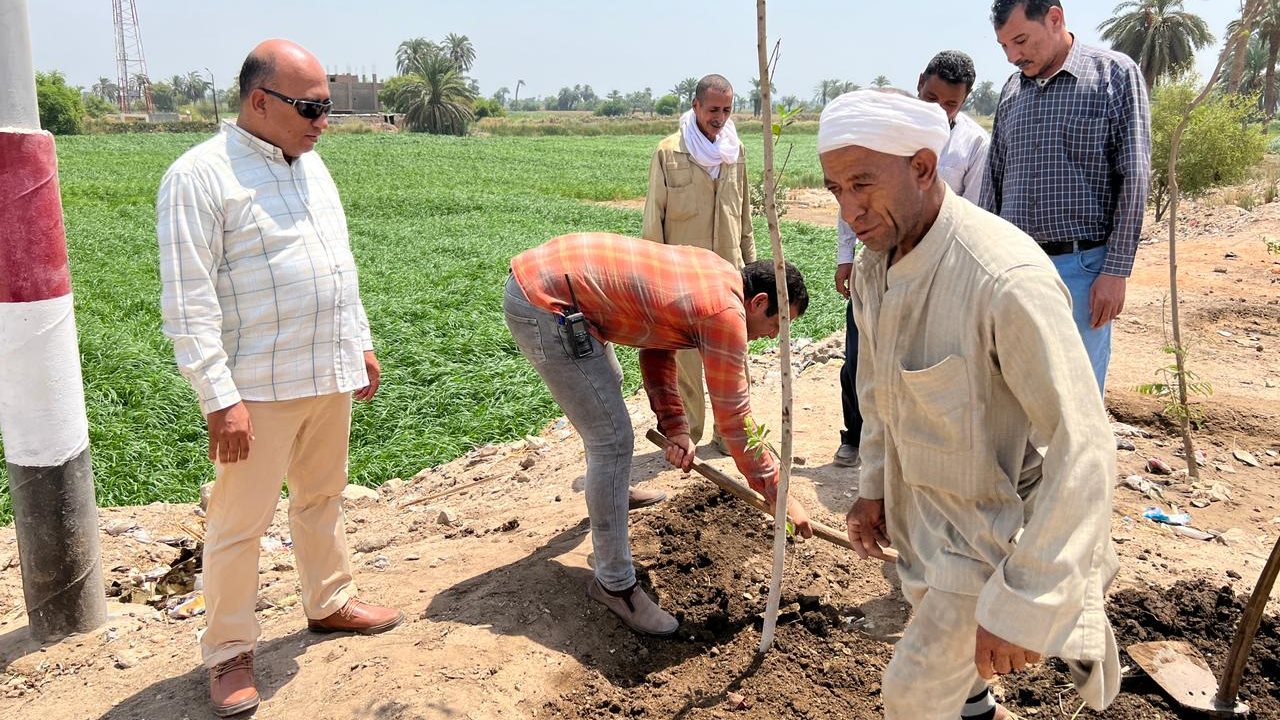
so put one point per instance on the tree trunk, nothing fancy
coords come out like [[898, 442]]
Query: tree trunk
[[1175, 144], [784, 336], [1240, 49], [1269, 93]]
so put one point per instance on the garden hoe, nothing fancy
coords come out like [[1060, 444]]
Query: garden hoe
[[755, 499], [1178, 668]]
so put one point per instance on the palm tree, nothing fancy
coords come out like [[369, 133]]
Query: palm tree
[[1158, 34], [179, 85], [755, 95], [517, 97], [1255, 66], [460, 51], [197, 86], [1245, 65], [106, 90], [881, 81], [435, 98], [413, 49], [822, 92], [685, 90], [1268, 27]]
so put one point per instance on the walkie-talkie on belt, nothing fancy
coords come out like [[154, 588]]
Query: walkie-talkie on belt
[[575, 325]]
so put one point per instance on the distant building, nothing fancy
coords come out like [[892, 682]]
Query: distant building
[[354, 94]]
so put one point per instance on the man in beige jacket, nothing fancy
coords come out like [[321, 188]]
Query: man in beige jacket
[[983, 428], [698, 195]]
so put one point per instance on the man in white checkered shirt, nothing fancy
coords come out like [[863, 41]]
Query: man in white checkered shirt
[[261, 300]]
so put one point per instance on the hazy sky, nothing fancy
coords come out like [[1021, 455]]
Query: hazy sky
[[550, 43]]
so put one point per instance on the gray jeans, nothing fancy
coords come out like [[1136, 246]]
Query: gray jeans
[[589, 391]]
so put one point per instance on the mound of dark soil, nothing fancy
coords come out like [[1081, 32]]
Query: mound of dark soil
[[707, 559], [1196, 611]]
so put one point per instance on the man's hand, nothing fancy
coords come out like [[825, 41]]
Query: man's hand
[[994, 656], [844, 271], [680, 451], [868, 532], [799, 516], [795, 509], [230, 432], [372, 367], [1106, 300]]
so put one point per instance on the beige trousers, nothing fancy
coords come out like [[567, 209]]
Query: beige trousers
[[693, 392], [932, 672], [303, 441]]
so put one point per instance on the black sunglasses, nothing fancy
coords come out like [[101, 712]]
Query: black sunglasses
[[309, 109]]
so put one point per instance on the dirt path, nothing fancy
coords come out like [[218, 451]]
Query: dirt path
[[492, 578]]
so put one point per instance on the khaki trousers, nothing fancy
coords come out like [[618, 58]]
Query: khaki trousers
[[692, 392], [303, 441], [932, 672]]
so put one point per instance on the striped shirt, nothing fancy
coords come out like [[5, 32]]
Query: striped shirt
[[258, 286], [659, 298], [1070, 156]]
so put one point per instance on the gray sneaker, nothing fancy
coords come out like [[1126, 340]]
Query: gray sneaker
[[637, 610], [846, 456]]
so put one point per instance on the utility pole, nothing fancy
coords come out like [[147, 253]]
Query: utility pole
[[42, 417], [214, 84]]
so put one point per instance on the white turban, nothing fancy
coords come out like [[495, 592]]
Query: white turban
[[885, 122]]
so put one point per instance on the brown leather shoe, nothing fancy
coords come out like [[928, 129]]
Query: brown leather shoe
[[642, 497], [231, 689], [358, 617]]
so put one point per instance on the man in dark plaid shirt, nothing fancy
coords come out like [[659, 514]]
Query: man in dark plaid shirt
[[1070, 160]]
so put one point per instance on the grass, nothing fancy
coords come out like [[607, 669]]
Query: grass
[[579, 124], [433, 223]]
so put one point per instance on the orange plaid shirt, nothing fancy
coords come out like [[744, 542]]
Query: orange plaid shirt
[[659, 298]]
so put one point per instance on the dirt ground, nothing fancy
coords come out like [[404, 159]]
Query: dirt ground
[[492, 576]]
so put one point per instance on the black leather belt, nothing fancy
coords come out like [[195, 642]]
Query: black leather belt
[[1070, 246]]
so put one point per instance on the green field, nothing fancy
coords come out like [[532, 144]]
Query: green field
[[434, 222]]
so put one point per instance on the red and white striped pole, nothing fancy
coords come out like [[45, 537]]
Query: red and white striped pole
[[42, 417]]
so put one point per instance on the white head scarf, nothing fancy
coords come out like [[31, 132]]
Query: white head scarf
[[709, 154], [884, 122]]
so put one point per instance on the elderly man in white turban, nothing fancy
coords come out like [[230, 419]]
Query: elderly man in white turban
[[698, 195], [985, 446]]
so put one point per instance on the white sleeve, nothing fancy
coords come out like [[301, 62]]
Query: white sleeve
[[189, 231], [845, 242]]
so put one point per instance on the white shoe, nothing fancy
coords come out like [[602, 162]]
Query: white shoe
[[637, 610]]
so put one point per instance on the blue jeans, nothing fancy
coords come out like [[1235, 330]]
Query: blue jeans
[[589, 391], [1078, 271]]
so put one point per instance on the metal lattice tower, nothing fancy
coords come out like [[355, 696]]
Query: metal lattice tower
[[131, 64]]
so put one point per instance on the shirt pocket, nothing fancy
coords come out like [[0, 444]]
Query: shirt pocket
[[682, 201], [935, 427], [1085, 141], [934, 406]]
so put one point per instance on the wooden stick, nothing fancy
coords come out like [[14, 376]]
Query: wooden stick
[[755, 499], [446, 493], [1232, 673]]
